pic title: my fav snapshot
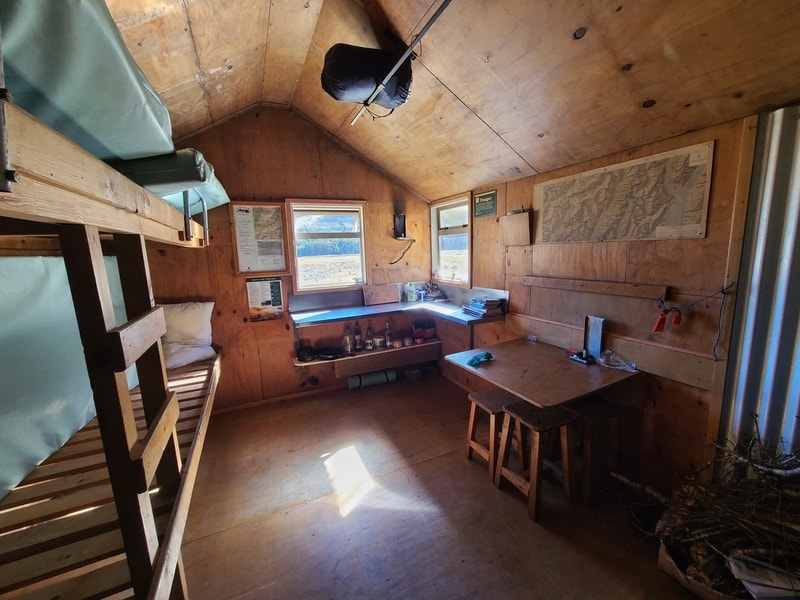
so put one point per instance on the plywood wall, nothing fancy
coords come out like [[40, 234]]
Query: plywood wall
[[270, 154], [678, 411]]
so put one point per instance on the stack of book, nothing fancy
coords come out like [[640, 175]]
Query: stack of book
[[483, 307]]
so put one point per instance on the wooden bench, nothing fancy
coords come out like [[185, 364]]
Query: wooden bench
[[59, 532]]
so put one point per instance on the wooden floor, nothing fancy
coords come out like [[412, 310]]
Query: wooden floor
[[367, 494]]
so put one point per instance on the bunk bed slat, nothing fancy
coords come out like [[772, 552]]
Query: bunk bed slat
[[107, 580], [53, 508]]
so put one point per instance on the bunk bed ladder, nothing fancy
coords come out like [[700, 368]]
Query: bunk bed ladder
[[135, 465]]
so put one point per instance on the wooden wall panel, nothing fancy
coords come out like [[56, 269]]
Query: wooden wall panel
[[519, 194], [455, 338], [273, 154], [680, 405], [635, 317], [488, 266], [596, 262], [492, 333], [672, 420]]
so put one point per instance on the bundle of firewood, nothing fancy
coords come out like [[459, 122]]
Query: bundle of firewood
[[740, 534]]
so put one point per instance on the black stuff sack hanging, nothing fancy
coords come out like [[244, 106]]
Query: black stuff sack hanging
[[351, 74]]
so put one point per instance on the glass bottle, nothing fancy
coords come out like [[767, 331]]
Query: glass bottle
[[387, 334], [347, 341], [368, 342], [358, 343]]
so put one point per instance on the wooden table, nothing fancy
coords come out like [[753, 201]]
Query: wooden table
[[539, 373], [545, 376]]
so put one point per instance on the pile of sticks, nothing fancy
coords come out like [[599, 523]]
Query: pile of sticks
[[752, 512]]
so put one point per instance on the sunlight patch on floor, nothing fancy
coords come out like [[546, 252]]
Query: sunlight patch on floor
[[349, 477]]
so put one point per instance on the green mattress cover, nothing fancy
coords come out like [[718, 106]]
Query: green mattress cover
[[168, 175], [66, 63]]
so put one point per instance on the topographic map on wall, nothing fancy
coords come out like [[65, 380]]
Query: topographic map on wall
[[658, 197]]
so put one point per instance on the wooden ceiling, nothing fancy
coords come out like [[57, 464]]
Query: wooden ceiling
[[501, 89]]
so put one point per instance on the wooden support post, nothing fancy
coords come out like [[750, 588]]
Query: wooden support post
[[83, 258]]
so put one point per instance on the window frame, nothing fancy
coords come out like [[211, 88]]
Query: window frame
[[342, 206], [437, 231]]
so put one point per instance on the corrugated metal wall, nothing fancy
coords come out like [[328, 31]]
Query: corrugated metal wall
[[764, 374]]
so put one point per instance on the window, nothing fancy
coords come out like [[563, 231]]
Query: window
[[450, 233], [329, 249]]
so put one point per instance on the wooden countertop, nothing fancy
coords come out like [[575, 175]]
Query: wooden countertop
[[445, 310]]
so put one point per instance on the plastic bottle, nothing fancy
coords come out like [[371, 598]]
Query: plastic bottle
[[358, 344], [347, 341], [411, 292]]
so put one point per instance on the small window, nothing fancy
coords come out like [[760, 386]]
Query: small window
[[450, 241], [329, 249]]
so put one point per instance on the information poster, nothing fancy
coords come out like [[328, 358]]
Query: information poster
[[265, 298], [260, 238], [485, 204]]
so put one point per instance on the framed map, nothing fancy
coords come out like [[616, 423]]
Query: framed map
[[664, 196], [259, 233]]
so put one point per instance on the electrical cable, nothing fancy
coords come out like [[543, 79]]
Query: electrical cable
[[377, 116], [676, 319], [719, 323], [397, 260], [721, 292]]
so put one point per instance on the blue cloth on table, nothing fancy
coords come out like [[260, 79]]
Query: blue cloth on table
[[479, 358]]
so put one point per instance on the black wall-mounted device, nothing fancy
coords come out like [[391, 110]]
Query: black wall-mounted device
[[399, 227]]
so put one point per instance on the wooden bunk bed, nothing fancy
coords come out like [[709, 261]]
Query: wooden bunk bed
[[104, 516]]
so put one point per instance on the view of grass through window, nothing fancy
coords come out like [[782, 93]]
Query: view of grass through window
[[453, 265], [329, 270], [328, 247]]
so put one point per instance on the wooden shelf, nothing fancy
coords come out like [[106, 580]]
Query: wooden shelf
[[375, 360]]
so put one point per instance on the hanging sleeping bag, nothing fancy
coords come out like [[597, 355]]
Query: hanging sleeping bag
[[351, 74]]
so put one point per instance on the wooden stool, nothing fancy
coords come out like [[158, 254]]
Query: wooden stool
[[538, 421], [492, 402], [596, 413]]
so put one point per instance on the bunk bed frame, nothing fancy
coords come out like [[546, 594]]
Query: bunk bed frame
[[86, 525]]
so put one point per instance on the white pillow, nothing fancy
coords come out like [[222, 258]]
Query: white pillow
[[177, 355], [188, 323]]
